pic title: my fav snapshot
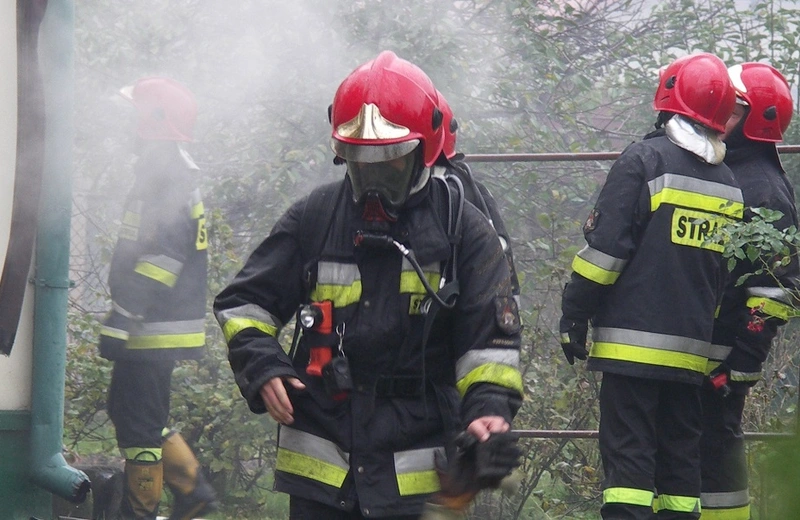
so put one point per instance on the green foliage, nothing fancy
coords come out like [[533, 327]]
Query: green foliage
[[521, 76]]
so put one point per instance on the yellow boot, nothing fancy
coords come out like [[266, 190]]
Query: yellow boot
[[193, 495], [142, 493]]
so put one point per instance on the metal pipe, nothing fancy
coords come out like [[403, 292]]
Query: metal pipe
[[49, 469], [593, 434], [568, 157]]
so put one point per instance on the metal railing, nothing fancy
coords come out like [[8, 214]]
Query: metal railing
[[600, 156]]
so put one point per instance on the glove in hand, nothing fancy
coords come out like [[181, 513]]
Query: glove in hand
[[114, 334], [573, 339], [472, 466]]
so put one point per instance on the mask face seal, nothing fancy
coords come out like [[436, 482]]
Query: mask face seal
[[389, 180]]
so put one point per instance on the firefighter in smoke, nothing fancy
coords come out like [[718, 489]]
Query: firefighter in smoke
[[650, 280], [157, 281], [410, 329], [754, 308], [451, 162]]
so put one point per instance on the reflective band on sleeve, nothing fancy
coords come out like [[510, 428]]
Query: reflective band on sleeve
[[688, 192], [142, 454], [160, 268], [416, 473], [475, 358], [494, 373], [650, 348], [745, 377], [598, 266], [632, 496], [338, 282], [237, 319], [772, 308], [301, 453], [678, 504]]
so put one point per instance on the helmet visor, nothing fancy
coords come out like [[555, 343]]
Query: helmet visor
[[391, 179]]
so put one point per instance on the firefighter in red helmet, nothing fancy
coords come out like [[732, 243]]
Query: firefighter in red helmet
[[157, 281], [649, 281], [752, 310], [410, 331]]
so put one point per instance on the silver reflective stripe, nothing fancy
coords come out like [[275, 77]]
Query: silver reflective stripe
[[249, 311], [430, 268], [121, 310], [651, 340], [773, 293], [412, 461], [475, 358], [726, 500], [602, 260], [334, 273], [313, 446], [690, 184], [168, 327], [164, 262], [719, 352]]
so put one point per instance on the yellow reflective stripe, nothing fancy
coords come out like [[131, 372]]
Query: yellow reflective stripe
[[678, 503], [418, 483], [234, 326], [733, 513], [131, 219], [340, 295], [197, 210], [309, 467], [156, 273], [494, 373], [142, 454], [161, 341], [632, 496], [593, 272], [699, 201], [711, 365], [410, 282], [772, 307], [649, 356], [114, 333]]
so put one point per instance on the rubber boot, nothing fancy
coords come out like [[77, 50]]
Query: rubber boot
[[193, 495], [142, 491]]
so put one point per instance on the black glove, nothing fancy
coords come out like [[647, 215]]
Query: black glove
[[114, 334], [757, 328], [471, 466], [573, 339]]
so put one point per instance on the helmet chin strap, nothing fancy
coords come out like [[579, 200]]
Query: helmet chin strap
[[374, 210]]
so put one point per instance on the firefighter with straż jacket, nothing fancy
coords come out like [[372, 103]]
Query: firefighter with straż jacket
[[374, 389], [650, 279], [753, 307], [157, 281]]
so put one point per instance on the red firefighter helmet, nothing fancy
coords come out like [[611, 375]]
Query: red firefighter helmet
[[450, 125], [697, 86], [383, 110], [767, 93], [166, 110]]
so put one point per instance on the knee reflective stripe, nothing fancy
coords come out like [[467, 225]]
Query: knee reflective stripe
[[678, 504], [731, 505], [735, 513], [312, 457], [142, 454], [416, 474], [632, 496]]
